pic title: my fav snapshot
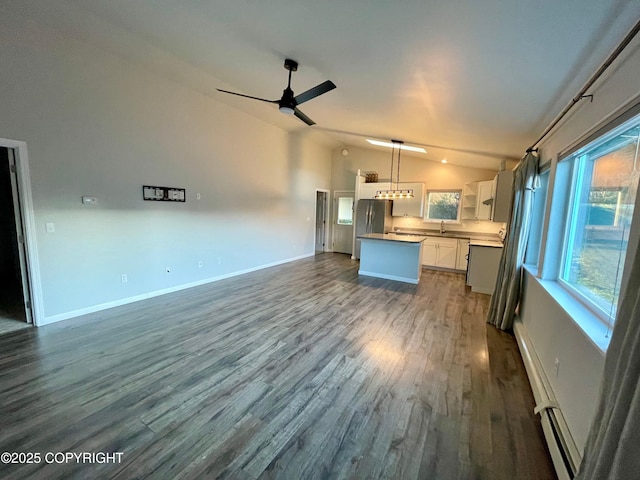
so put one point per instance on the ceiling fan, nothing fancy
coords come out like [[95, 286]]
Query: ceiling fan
[[288, 103]]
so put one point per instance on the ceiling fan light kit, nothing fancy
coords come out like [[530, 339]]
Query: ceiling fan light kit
[[288, 103]]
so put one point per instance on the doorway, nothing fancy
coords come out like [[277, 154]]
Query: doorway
[[321, 220], [14, 289], [343, 221]]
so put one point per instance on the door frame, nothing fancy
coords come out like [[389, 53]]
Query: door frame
[[326, 220], [25, 201], [334, 214]]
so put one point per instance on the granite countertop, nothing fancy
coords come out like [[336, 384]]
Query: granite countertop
[[492, 237], [406, 238], [486, 243]]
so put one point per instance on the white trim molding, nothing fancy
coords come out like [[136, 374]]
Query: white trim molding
[[29, 224]]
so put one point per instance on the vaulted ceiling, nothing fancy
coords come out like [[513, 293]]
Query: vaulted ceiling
[[476, 82]]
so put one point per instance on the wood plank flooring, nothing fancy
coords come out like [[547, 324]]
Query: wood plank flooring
[[301, 371]]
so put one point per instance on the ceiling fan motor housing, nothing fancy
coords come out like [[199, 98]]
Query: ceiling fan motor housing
[[291, 65], [287, 103]]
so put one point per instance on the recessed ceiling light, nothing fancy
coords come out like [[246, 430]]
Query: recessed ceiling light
[[396, 145], [444, 160]]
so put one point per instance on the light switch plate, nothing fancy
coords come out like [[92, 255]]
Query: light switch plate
[[51, 227]]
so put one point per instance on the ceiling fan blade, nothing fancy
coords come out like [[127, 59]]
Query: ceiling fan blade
[[247, 96], [303, 117], [314, 92]]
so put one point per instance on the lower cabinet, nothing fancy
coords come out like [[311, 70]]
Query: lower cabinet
[[483, 268], [463, 254], [440, 252]]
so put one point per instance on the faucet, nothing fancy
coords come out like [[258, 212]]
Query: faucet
[[442, 229]]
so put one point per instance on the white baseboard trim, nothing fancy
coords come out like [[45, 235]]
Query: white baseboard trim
[[124, 301], [564, 452]]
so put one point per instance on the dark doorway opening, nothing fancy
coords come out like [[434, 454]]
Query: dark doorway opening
[[12, 302]]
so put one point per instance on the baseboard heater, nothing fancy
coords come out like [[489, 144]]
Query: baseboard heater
[[564, 453]]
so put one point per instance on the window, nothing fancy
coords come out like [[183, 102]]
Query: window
[[443, 205], [537, 219], [345, 211], [605, 181]]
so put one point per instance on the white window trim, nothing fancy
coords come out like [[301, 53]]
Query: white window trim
[[426, 218]]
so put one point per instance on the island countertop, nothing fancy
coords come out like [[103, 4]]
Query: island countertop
[[393, 237]]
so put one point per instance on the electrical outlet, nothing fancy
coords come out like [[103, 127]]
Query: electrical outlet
[[556, 365], [51, 227], [124, 278], [200, 263], [168, 269]]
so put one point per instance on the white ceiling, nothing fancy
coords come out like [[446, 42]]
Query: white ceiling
[[476, 82]]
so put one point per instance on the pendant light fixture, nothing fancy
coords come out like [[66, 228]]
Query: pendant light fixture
[[392, 193]]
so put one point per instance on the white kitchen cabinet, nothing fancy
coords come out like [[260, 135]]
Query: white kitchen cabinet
[[477, 198], [447, 252], [484, 262], [503, 190], [469, 200], [409, 207], [485, 200], [430, 252], [440, 252], [462, 254], [368, 190]]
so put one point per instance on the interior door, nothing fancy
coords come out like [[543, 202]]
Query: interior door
[[321, 209], [343, 221]]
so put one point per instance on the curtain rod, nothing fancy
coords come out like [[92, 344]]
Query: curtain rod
[[582, 93]]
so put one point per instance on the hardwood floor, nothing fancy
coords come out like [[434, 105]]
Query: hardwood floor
[[300, 371]]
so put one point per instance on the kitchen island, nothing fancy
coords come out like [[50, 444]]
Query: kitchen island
[[391, 256]]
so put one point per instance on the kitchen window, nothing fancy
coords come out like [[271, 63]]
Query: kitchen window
[[443, 205], [604, 185]]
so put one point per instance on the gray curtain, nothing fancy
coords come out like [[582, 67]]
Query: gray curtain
[[507, 292], [612, 450]]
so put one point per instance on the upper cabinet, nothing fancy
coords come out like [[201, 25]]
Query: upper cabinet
[[503, 191], [469, 200], [476, 200], [368, 190], [485, 200], [488, 200], [409, 207]]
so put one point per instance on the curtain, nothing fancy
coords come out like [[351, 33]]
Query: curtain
[[507, 292], [611, 451]]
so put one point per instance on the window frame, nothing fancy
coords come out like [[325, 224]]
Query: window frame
[[578, 167], [426, 218]]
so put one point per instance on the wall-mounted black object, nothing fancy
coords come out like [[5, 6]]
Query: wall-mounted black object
[[163, 194]]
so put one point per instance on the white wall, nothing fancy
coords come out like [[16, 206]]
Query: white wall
[[435, 175], [96, 124], [552, 331]]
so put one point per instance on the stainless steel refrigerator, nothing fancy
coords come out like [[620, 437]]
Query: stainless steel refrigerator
[[372, 216]]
